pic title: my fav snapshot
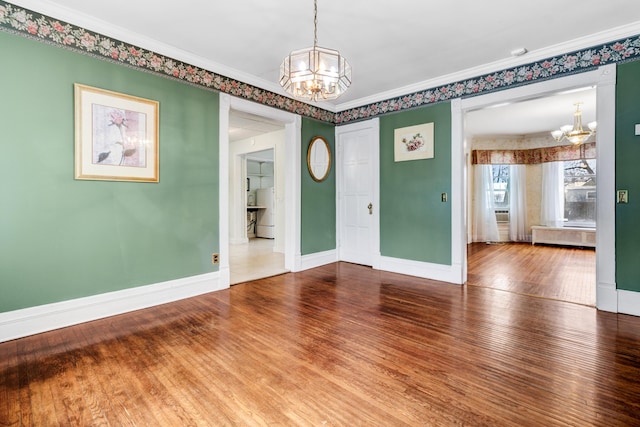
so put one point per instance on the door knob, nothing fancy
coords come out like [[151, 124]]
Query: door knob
[[370, 207]]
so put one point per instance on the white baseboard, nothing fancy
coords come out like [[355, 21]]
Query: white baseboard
[[34, 320], [317, 259], [628, 302], [607, 297], [440, 272]]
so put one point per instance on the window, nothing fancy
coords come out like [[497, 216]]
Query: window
[[580, 193], [500, 186], [500, 174]]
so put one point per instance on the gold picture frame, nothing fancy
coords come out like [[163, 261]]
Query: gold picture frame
[[413, 142], [116, 136]]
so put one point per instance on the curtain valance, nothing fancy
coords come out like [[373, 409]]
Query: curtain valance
[[534, 155]]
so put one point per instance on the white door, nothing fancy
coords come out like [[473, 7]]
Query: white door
[[357, 162]]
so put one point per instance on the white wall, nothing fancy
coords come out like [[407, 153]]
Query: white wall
[[237, 191]]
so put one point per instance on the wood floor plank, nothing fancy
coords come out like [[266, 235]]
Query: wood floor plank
[[337, 345], [104, 392], [556, 272], [36, 368], [9, 394]]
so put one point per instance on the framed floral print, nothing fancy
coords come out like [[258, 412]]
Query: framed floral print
[[116, 136], [413, 142]]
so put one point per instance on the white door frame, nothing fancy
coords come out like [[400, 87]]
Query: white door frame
[[374, 126], [605, 80], [293, 125]]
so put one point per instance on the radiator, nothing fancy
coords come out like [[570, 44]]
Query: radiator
[[571, 236]]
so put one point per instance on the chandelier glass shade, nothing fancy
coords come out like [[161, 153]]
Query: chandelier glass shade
[[315, 73], [575, 134]]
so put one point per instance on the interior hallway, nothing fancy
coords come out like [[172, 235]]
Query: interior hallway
[[554, 272]]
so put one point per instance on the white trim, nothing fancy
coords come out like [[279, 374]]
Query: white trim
[[223, 189], [107, 29], [440, 272], [606, 202], [318, 259], [458, 198], [607, 297], [604, 78], [33, 320], [373, 126], [292, 124], [628, 302]]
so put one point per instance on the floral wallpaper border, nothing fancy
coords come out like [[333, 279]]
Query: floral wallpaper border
[[550, 68], [535, 155], [17, 20]]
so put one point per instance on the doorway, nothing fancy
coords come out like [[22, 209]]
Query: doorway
[[518, 170], [256, 243], [232, 190], [604, 80], [358, 187]]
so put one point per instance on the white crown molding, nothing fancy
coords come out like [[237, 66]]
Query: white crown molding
[[104, 28], [592, 40], [85, 21]]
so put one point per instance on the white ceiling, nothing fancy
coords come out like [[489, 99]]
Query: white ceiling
[[534, 116], [394, 48], [245, 125]]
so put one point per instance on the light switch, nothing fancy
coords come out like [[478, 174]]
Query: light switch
[[622, 196], [638, 129], [443, 197]]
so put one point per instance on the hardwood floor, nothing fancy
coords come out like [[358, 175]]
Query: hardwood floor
[[339, 345], [561, 273]]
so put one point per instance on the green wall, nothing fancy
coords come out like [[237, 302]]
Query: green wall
[[63, 238], [627, 176], [414, 223], [318, 199]]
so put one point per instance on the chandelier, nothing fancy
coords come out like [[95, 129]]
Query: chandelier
[[315, 73], [575, 134]]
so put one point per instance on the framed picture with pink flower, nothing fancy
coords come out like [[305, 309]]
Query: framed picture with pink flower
[[413, 142], [116, 136]]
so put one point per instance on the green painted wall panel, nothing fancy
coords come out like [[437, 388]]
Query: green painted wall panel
[[628, 176], [62, 238], [318, 199], [414, 223]]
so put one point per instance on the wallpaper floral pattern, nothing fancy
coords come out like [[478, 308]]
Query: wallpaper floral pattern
[[18, 20], [31, 24], [569, 63]]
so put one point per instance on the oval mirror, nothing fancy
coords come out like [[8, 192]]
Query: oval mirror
[[319, 158]]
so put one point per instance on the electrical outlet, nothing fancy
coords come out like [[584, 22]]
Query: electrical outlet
[[215, 258]]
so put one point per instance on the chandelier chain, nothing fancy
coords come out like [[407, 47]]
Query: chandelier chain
[[315, 23]]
